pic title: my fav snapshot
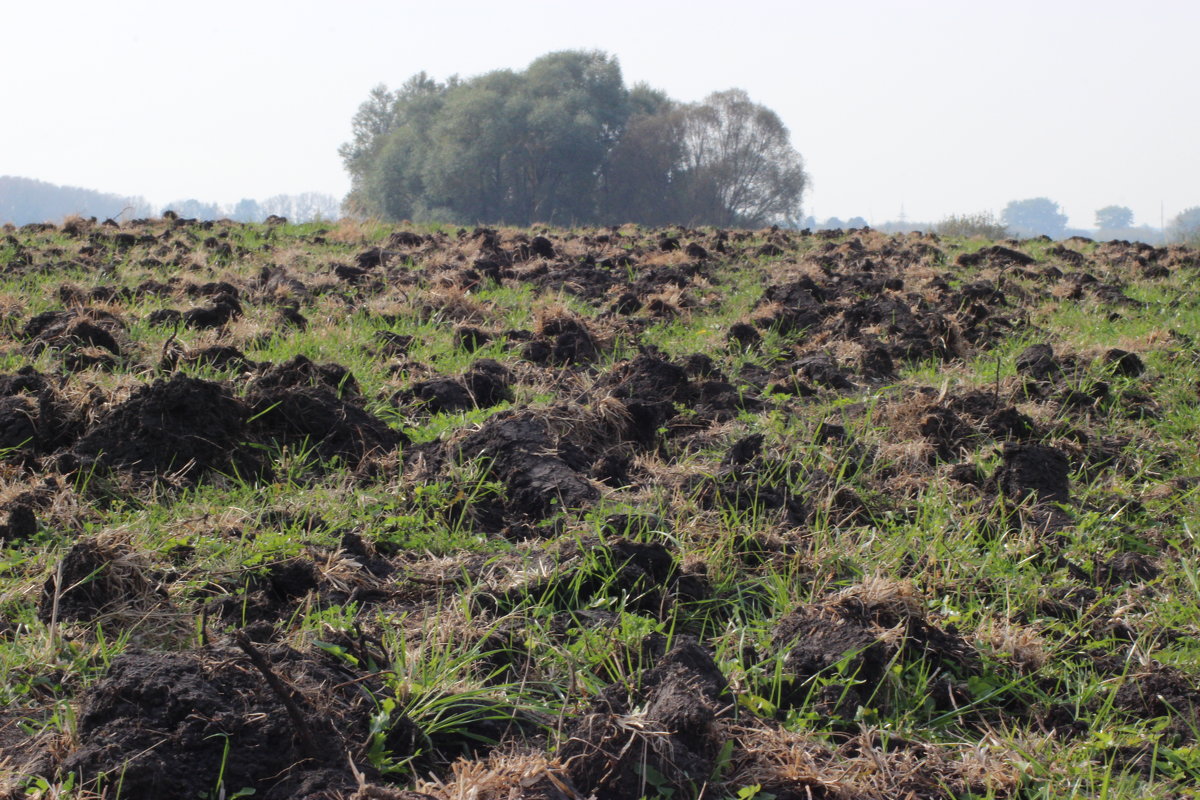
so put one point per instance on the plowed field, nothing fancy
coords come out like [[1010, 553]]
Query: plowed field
[[352, 510]]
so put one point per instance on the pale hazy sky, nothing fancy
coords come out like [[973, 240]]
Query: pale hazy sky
[[941, 107]]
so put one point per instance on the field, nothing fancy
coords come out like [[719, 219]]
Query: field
[[356, 510]]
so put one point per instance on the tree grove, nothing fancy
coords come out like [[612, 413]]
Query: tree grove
[[565, 141]]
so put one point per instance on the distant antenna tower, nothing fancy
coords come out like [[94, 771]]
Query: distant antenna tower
[[903, 217]]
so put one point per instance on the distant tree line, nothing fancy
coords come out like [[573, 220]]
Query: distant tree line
[[565, 141], [1185, 227], [833, 223], [304, 207], [1041, 216], [24, 200]]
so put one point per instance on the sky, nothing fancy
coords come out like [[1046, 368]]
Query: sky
[[925, 108]]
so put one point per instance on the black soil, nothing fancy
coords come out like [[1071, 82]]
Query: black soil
[[313, 407], [181, 427], [521, 451], [854, 639], [681, 700], [34, 419], [168, 724], [1034, 471], [93, 579]]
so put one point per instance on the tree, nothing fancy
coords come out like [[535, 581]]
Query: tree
[[1034, 217], [386, 154], [642, 174], [247, 210], [464, 159], [740, 166], [375, 117], [1185, 227], [577, 106], [1112, 218]]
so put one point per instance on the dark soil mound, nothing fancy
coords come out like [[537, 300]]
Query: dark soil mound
[[93, 579], [34, 419], [521, 451], [822, 369], [1009, 423], [909, 332], [314, 417], [1034, 470], [1164, 692], [60, 329], [680, 702], [856, 634], [997, 256], [746, 336], [581, 280], [946, 431], [224, 308], [1125, 568], [747, 482], [489, 382], [470, 339], [405, 239], [1038, 362], [182, 427], [793, 307], [815, 642], [437, 396], [644, 575], [90, 334], [743, 491], [393, 344], [744, 450], [266, 597], [541, 247], [562, 341], [1124, 363], [17, 517], [720, 401], [77, 360], [173, 724], [650, 378], [355, 275], [649, 386], [164, 316], [301, 372], [485, 384], [626, 303], [876, 363], [221, 357]]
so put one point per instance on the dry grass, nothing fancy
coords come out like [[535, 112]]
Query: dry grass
[[871, 765], [1020, 645], [501, 776], [454, 304]]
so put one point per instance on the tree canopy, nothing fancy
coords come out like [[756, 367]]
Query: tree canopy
[[565, 141], [1185, 227], [1111, 218], [1034, 217]]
